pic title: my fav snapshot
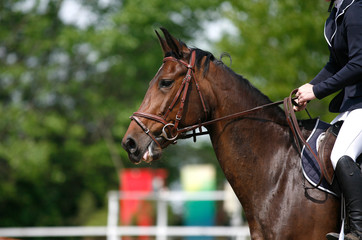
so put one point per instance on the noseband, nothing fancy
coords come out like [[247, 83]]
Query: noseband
[[170, 129]]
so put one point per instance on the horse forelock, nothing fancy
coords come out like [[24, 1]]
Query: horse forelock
[[207, 57], [201, 56]]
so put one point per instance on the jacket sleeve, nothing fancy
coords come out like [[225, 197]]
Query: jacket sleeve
[[328, 71], [351, 73]]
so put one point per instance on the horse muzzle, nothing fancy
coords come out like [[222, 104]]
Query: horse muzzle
[[141, 150]]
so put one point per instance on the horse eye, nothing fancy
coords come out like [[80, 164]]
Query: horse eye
[[166, 83]]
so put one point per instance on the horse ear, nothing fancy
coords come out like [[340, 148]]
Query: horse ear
[[174, 45], [163, 43]]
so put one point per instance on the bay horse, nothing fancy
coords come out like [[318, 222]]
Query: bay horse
[[256, 151]]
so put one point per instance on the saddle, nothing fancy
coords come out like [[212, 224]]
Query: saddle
[[317, 160], [325, 145]]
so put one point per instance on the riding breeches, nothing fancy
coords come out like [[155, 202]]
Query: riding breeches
[[349, 139]]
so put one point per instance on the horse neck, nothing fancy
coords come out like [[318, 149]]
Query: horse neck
[[247, 147], [232, 93], [262, 165]]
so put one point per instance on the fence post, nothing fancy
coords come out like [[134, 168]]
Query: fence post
[[161, 219], [113, 211]]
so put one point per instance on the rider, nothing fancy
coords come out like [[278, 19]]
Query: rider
[[343, 72]]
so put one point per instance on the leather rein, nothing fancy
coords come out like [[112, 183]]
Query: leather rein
[[171, 132]]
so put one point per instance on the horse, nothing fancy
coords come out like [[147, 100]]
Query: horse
[[256, 150]]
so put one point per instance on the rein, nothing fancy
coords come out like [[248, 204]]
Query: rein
[[228, 117], [297, 133], [171, 132]]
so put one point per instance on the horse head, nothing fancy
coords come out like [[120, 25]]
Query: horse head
[[173, 100]]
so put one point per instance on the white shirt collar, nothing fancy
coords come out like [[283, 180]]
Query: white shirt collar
[[338, 3]]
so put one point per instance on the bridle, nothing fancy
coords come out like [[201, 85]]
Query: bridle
[[171, 132]]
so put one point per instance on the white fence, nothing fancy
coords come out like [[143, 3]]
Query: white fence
[[161, 231]]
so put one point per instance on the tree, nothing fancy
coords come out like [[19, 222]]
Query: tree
[[66, 94], [66, 91], [280, 45]]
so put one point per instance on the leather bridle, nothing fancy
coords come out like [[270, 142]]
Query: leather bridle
[[170, 129]]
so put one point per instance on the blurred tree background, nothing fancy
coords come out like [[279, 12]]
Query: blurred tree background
[[67, 88]]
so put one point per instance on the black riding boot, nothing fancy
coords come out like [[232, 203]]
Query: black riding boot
[[349, 178]]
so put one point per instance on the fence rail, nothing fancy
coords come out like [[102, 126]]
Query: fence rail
[[170, 231], [161, 231]]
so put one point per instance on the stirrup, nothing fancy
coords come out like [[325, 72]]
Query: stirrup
[[332, 236]]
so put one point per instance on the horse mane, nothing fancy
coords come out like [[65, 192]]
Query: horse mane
[[209, 57], [203, 60]]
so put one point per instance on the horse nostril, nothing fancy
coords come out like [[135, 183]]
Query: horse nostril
[[131, 145]]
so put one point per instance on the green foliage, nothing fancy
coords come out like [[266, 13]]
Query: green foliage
[[66, 94], [67, 91], [280, 44]]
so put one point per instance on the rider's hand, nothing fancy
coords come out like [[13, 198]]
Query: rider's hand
[[300, 107], [305, 93]]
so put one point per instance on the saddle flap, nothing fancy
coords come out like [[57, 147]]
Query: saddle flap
[[324, 152]]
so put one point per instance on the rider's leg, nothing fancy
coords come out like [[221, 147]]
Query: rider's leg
[[347, 148]]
